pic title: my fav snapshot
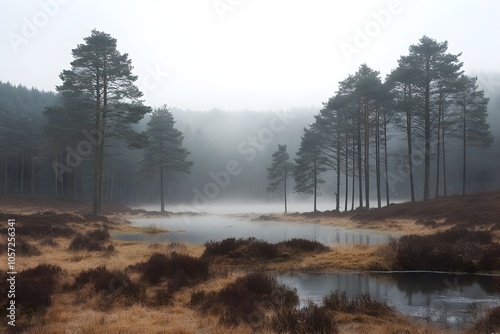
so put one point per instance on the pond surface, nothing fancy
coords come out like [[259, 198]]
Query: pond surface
[[200, 229], [437, 297]]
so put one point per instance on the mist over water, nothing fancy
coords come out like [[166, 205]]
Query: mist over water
[[253, 206], [199, 229]]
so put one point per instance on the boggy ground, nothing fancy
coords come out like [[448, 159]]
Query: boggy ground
[[92, 284], [476, 211]]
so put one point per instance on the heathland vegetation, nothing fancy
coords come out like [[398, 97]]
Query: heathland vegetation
[[76, 278]]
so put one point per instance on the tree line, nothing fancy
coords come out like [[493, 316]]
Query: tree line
[[91, 120], [427, 98], [95, 139]]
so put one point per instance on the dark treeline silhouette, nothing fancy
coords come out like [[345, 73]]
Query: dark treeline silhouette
[[419, 133], [427, 98]]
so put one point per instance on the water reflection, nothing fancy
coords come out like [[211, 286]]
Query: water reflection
[[200, 229], [436, 297]]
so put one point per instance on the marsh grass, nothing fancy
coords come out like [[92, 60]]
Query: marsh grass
[[252, 248], [489, 323], [454, 250]]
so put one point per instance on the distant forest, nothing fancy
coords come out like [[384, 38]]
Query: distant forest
[[376, 140]]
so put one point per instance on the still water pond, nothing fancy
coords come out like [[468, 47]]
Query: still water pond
[[437, 297], [200, 229]]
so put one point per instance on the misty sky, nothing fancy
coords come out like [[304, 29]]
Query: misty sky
[[242, 54]]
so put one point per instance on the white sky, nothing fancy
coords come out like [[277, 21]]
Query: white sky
[[258, 54]]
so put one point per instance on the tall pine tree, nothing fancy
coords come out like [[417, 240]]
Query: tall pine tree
[[472, 113], [100, 82], [164, 151], [279, 172], [309, 164]]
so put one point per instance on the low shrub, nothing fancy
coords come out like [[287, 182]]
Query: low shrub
[[25, 248], [177, 269], [224, 247], [89, 276], [303, 245], [339, 302], [49, 242], [311, 319], [116, 283], [258, 249], [246, 299], [453, 250], [36, 286], [99, 234], [489, 323], [315, 319], [46, 224], [83, 242], [490, 258], [252, 248]]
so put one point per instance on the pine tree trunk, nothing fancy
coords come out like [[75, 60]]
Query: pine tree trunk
[[346, 172], [22, 173], [100, 127], [353, 172], [427, 136], [55, 175], [444, 163], [360, 167], [32, 176], [98, 181], [315, 183], [367, 157], [377, 159], [438, 155], [337, 194], [286, 172], [464, 153], [162, 198], [385, 160], [112, 188], [410, 146]]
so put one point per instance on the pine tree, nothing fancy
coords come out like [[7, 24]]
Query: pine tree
[[309, 164], [431, 66], [473, 111], [279, 172], [101, 83], [164, 151]]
